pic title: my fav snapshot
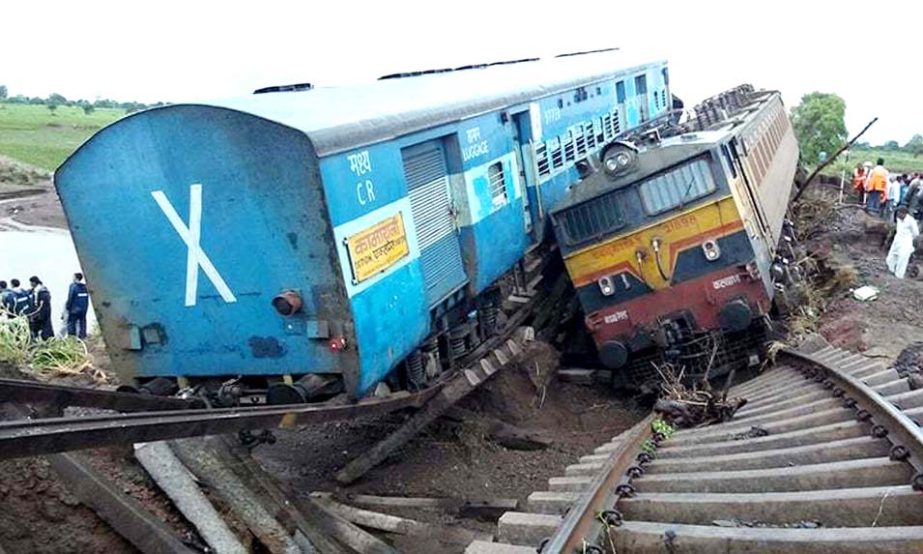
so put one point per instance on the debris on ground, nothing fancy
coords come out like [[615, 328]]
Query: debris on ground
[[754, 432], [694, 406], [865, 294], [909, 364], [540, 361]]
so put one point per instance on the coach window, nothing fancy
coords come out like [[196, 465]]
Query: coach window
[[497, 185], [641, 85], [620, 92]]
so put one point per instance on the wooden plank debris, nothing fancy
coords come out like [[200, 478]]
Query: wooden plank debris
[[491, 508], [219, 477], [340, 528], [128, 517], [399, 525], [125, 514], [179, 484], [274, 498]]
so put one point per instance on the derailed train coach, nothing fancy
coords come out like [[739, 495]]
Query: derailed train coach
[[334, 231], [673, 247]]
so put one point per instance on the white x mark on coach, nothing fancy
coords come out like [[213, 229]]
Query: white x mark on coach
[[191, 235]]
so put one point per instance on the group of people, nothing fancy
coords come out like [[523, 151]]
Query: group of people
[[882, 192], [35, 305], [896, 198]]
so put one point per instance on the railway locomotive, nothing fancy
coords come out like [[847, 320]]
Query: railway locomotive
[[673, 247], [340, 232]]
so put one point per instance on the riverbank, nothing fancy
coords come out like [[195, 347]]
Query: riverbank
[[27, 197]]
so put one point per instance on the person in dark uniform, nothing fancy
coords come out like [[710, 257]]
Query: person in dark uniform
[[7, 301], [78, 302], [22, 297], [40, 316]]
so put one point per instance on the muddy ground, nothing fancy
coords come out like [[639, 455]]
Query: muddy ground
[[853, 242], [27, 196]]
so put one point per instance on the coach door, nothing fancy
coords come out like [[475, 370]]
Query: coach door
[[519, 128], [433, 215]]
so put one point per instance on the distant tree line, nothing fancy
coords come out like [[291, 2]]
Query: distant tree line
[[913, 146], [54, 100]]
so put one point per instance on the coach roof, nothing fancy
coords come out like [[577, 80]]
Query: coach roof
[[341, 118]]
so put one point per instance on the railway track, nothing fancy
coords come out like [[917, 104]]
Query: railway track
[[826, 456], [154, 418]]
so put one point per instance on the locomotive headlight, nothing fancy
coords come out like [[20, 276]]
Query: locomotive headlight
[[711, 250], [618, 157], [605, 286]]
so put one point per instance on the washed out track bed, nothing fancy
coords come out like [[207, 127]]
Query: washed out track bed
[[825, 457]]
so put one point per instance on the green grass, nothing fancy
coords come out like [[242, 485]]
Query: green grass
[[896, 162], [33, 135]]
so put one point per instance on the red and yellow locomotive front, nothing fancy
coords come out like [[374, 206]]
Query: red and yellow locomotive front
[[662, 256]]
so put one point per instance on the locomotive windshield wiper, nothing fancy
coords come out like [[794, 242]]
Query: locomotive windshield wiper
[[682, 200]]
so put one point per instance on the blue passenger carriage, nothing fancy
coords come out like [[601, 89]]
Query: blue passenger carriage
[[334, 231]]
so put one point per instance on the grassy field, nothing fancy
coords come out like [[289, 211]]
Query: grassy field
[[896, 162], [33, 135]]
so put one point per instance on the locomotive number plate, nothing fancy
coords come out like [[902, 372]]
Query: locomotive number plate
[[377, 248]]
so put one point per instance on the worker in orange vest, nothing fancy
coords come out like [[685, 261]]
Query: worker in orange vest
[[858, 180], [877, 187]]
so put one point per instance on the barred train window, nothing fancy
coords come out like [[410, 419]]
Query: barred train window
[[497, 185], [592, 219], [676, 187]]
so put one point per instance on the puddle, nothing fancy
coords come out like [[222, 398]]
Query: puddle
[[47, 253]]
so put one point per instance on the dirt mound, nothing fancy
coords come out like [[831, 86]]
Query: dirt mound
[[519, 393], [39, 515]]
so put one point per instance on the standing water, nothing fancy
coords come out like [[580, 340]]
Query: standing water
[[45, 252]]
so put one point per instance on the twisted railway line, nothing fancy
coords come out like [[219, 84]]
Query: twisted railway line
[[826, 456]]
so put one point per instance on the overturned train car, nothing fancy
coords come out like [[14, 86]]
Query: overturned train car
[[673, 247], [338, 231]]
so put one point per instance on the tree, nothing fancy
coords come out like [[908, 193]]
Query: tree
[[55, 98], [915, 145], [819, 124], [891, 146], [52, 107], [3, 92], [87, 108]]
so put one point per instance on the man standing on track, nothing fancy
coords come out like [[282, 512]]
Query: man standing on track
[[78, 302]]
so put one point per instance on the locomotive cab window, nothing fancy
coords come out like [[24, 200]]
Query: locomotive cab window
[[497, 185], [677, 186], [592, 219]]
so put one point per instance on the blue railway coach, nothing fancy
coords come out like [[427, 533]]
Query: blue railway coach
[[335, 230]]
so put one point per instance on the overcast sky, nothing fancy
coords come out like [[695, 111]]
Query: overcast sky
[[195, 50]]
